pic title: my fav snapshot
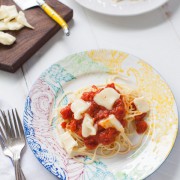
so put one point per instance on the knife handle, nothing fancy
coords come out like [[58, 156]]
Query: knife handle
[[56, 17]]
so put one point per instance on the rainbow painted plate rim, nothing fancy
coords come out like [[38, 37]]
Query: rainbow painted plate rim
[[87, 68]]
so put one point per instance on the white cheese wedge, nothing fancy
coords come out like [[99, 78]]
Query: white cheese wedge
[[111, 121], [67, 142], [107, 98], [88, 128], [141, 104], [78, 107], [10, 12], [3, 13], [12, 25], [6, 39], [3, 26], [22, 20]]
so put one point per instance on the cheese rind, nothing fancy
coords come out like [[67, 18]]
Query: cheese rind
[[78, 107], [111, 121], [141, 104], [88, 128], [20, 18], [107, 98], [67, 142]]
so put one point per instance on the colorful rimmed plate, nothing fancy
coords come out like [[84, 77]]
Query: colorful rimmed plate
[[122, 8], [95, 67]]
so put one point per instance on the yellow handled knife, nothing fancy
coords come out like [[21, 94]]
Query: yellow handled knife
[[26, 4]]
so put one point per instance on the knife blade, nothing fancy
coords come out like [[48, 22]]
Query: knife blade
[[26, 4]]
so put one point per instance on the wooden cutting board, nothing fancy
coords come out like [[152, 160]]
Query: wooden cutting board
[[29, 41]]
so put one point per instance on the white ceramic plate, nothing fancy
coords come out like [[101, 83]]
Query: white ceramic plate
[[123, 8], [85, 69]]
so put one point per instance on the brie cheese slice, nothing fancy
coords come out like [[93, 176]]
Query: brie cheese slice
[[111, 121], [78, 107], [67, 142], [88, 128], [141, 104], [107, 98]]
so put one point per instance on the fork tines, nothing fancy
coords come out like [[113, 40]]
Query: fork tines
[[10, 125]]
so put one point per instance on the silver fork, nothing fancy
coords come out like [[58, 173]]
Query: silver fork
[[13, 140]]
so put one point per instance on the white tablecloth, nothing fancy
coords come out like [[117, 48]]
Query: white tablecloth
[[155, 37]]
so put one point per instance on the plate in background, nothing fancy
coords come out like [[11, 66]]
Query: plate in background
[[122, 8]]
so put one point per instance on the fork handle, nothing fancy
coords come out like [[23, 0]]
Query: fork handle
[[22, 174], [18, 171]]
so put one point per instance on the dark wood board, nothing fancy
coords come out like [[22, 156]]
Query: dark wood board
[[29, 41]]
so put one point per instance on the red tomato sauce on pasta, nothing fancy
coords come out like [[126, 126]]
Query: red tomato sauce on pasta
[[97, 112]]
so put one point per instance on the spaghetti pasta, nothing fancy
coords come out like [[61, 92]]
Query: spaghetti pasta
[[113, 126]]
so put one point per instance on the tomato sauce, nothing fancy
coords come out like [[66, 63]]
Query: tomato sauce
[[141, 126], [75, 126], [91, 142], [63, 125], [66, 112], [107, 136], [112, 85], [97, 112], [104, 136], [140, 117]]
